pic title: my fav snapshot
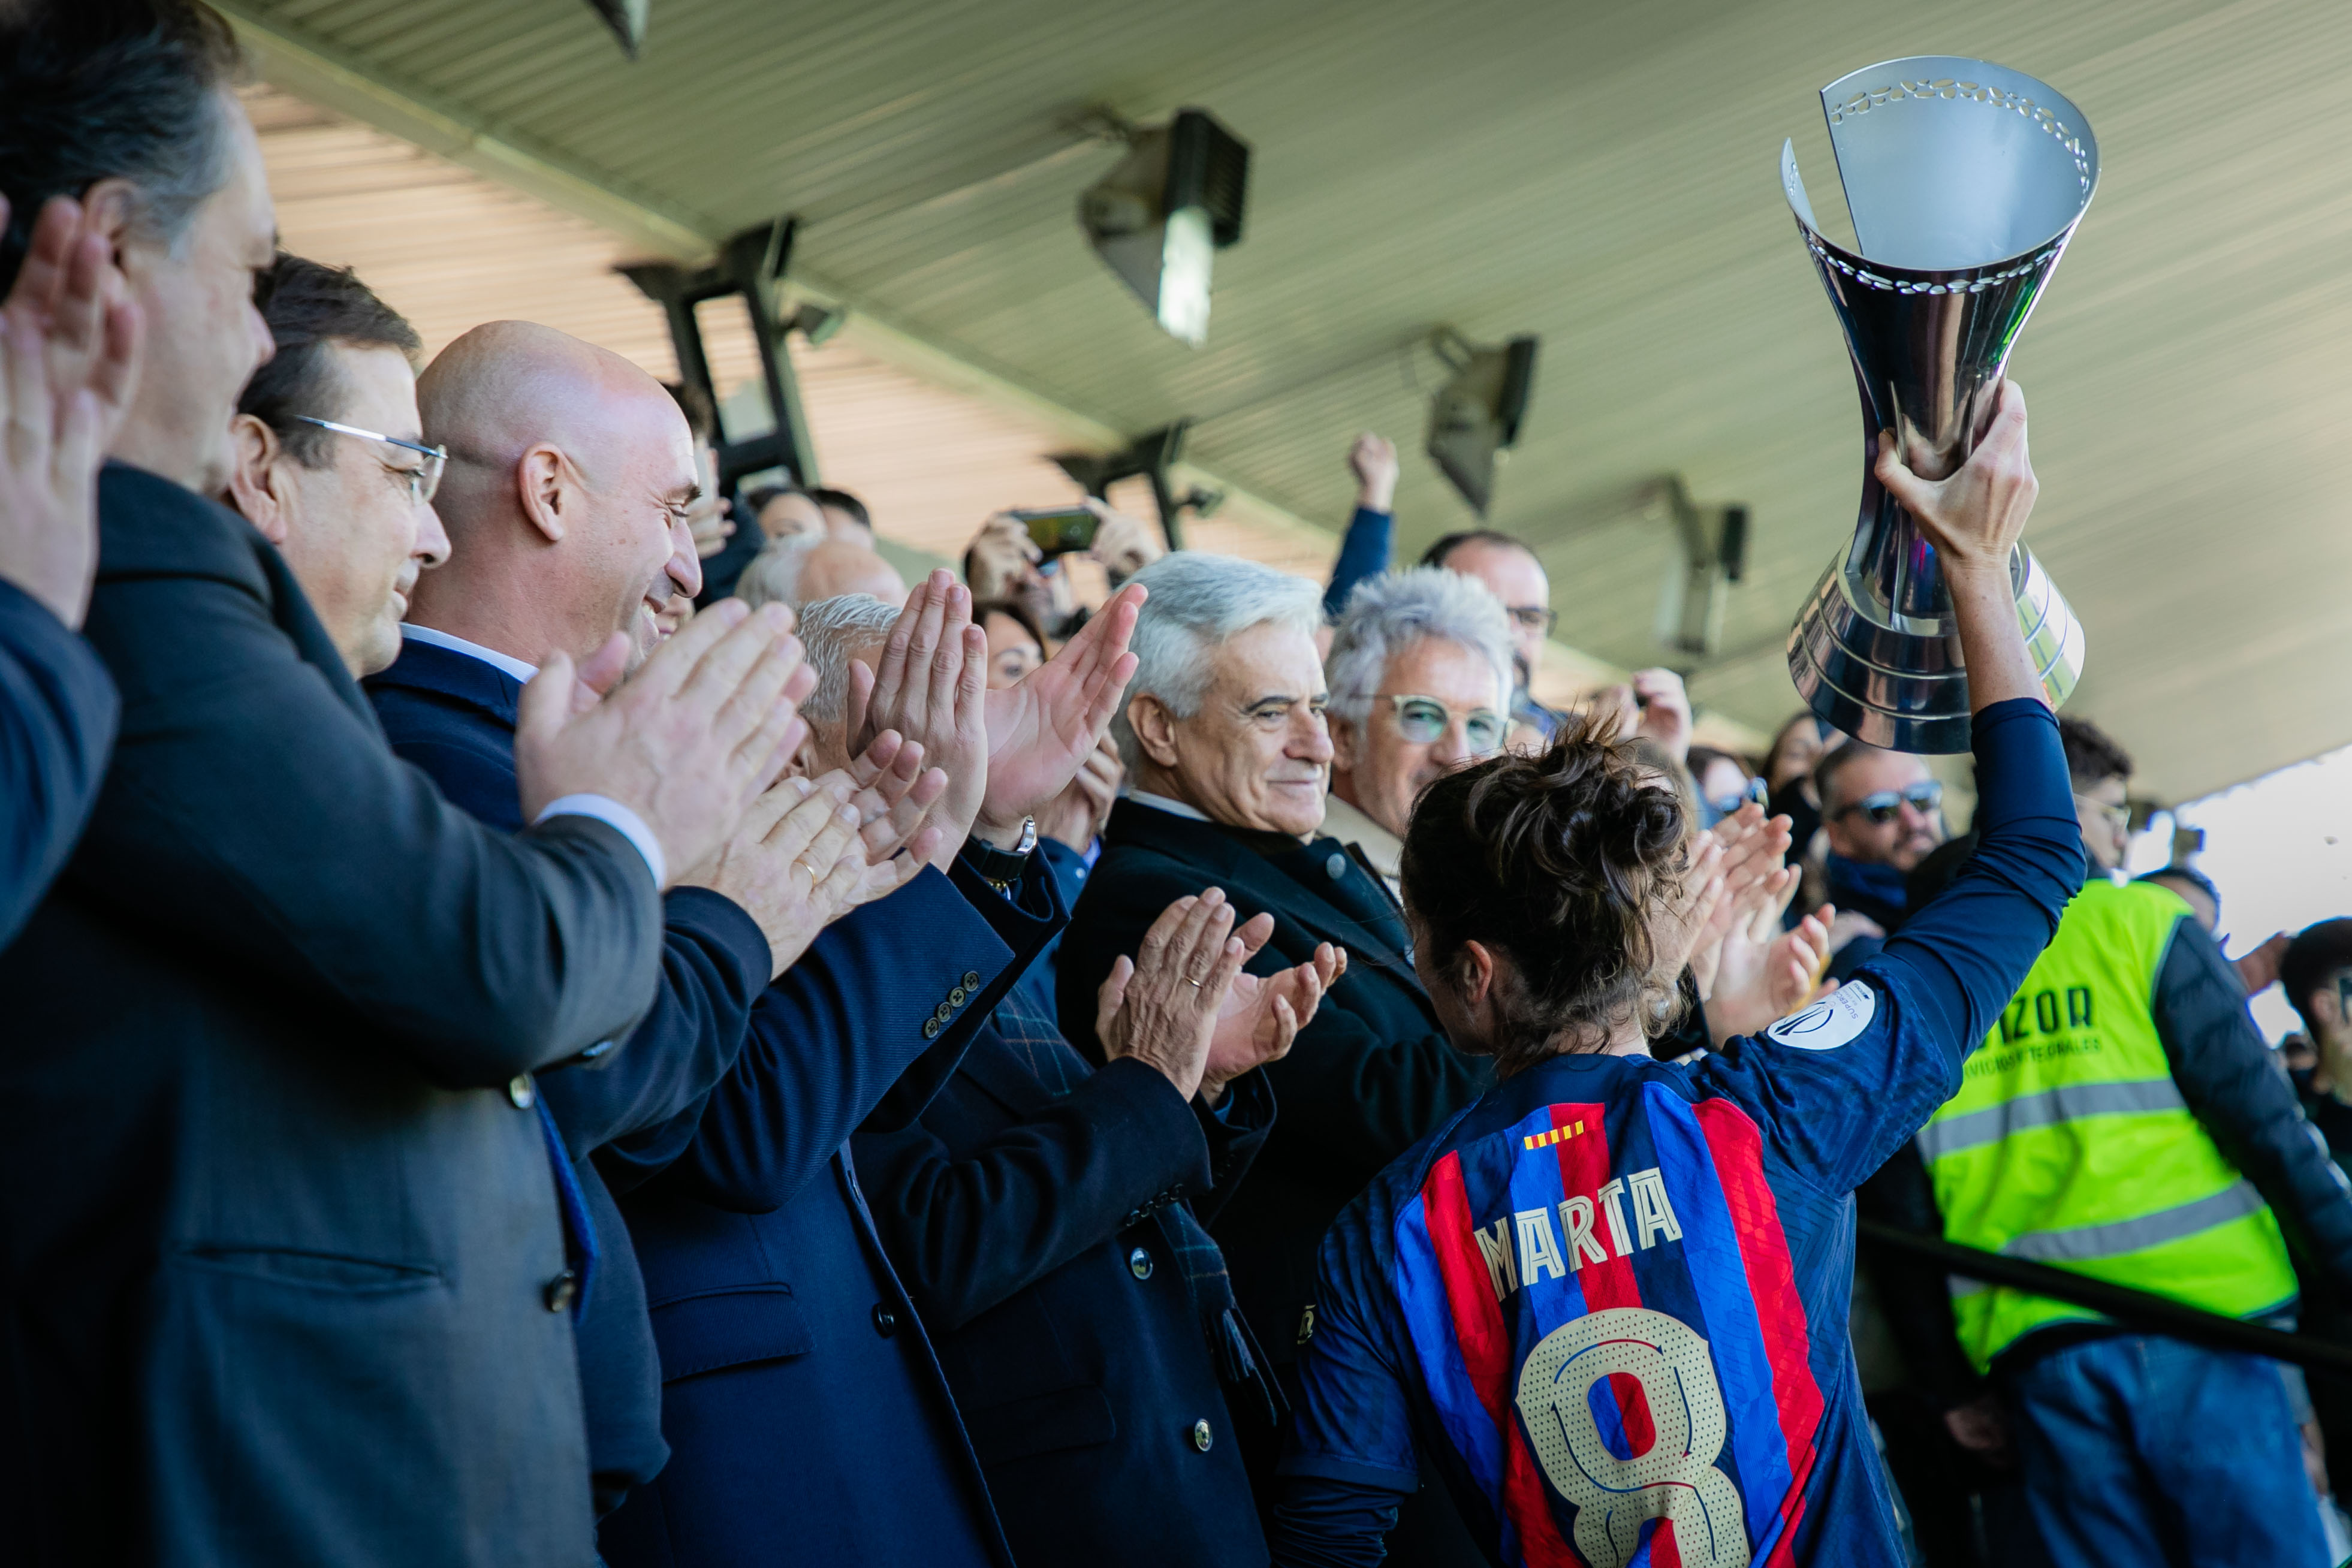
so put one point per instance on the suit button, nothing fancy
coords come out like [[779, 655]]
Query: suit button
[[943, 1013], [1337, 866], [971, 979], [561, 1291], [518, 1090], [1202, 1436], [1138, 1263], [956, 996], [885, 1322], [931, 1028]]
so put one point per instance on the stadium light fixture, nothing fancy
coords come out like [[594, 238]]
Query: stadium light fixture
[[1476, 414], [1159, 216]]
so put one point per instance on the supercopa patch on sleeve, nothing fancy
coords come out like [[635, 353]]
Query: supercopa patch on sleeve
[[1831, 1022]]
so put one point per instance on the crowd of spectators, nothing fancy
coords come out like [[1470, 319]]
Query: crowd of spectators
[[562, 1016]]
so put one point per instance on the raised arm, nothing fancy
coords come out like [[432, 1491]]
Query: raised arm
[[1893, 1037]]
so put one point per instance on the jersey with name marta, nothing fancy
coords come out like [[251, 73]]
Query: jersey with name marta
[[1609, 1300]]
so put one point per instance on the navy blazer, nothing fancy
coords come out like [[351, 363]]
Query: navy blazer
[[1020, 1211], [634, 1110], [57, 721], [276, 1237], [1365, 1080], [807, 1414]]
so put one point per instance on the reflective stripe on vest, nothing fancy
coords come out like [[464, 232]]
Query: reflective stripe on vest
[[2069, 1144]]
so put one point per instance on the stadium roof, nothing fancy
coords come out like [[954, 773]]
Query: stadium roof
[[1601, 174]]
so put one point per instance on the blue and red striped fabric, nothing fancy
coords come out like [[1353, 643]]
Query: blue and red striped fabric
[[1650, 1208]]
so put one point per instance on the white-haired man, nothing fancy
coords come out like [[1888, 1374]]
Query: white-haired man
[[1229, 759], [1420, 676]]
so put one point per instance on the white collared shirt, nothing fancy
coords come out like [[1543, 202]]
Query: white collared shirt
[[602, 808]]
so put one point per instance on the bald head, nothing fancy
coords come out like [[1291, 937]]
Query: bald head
[[569, 473]]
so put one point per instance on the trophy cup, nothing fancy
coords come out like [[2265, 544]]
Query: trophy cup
[[1965, 181]]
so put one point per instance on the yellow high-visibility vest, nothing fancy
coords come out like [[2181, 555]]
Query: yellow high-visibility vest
[[2069, 1144]]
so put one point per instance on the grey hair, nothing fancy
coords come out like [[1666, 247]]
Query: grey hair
[[774, 574], [1388, 613], [832, 630], [1198, 601]]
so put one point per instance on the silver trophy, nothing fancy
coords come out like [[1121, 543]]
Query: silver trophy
[[1965, 181]]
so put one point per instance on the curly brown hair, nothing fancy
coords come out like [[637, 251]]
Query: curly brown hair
[[1562, 863]]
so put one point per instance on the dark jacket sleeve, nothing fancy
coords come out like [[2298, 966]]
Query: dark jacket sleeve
[[715, 964], [831, 1039], [967, 1232], [1364, 553], [1236, 1131], [2225, 1072], [254, 810], [56, 720], [1395, 1082], [646, 1090]]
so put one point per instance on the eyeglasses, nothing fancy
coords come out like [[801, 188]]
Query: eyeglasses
[[1881, 806], [1422, 720], [2119, 817], [422, 481], [1723, 806], [1533, 616]]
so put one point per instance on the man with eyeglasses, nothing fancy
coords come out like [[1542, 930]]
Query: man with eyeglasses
[[1420, 675], [1883, 814], [330, 465]]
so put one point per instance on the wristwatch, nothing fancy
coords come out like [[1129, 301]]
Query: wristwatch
[[1000, 869]]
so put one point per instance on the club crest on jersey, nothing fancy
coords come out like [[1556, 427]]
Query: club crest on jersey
[[1831, 1022]]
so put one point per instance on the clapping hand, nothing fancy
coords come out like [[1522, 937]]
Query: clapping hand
[[1753, 851], [809, 851], [1075, 816], [928, 685], [70, 343], [1042, 729], [1162, 1006], [1262, 1015], [1768, 972]]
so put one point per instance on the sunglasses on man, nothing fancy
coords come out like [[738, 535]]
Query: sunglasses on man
[[1424, 719], [1882, 806]]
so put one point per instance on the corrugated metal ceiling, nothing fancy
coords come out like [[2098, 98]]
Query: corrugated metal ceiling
[[1600, 175]]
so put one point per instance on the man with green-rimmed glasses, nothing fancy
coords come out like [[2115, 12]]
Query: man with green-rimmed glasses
[[1420, 675]]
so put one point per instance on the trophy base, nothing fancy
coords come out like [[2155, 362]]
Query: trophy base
[[1903, 687]]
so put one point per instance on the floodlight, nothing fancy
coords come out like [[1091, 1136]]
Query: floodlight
[[1477, 413], [1171, 203], [1710, 554], [627, 20]]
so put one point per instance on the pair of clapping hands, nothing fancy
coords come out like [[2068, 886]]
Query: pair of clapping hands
[[938, 759], [1725, 927]]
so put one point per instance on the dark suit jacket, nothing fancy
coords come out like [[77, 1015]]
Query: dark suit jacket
[[1020, 1211], [805, 1413], [1363, 1083], [57, 721], [277, 1233], [454, 715]]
